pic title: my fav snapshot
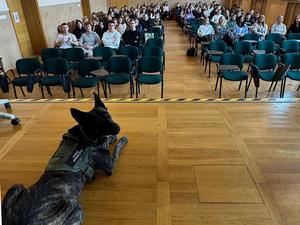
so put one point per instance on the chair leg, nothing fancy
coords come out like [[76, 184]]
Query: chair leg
[[109, 89], [48, 90], [298, 87], [105, 92], [103, 87], [81, 92], [240, 86], [22, 91], [249, 83], [248, 68], [206, 62], [68, 94], [162, 88], [256, 91], [217, 82], [209, 68], [275, 86], [246, 87], [136, 87], [271, 86], [220, 87], [42, 91], [98, 89], [283, 87], [16, 91], [130, 84], [74, 94]]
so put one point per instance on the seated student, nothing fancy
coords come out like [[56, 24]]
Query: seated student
[[205, 30], [79, 30], [260, 27], [138, 25], [121, 26], [188, 14], [133, 36], [198, 14], [279, 28], [166, 11], [89, 40], [216, 17], [101, 29], [231, 23], [157, 22], [111, 38], [240, 27], [221, 27], [95, 24], [295, 27], [249, 21], [65, 39], [145, 22]]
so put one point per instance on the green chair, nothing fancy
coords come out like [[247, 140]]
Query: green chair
[[244, 48], [289, 46], [154, 51], [49, 53], [232, 75], [119, 68], [214, 46], [29, 73], [85, 79], [150, 72], [269, 47], [73, 55], [293, 60], [158, 42], [295, 36], [59, 67], [157, 30], [274, 37], [251, 36], [279, 75], [105, 53], [132, 52]]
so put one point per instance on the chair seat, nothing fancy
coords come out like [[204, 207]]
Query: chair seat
[[85, 82], [234, 75], [294, 75], [51, 81], [267, 76], [22, 81], [117, 78], [215, 58], [149, 78], [248, 58]]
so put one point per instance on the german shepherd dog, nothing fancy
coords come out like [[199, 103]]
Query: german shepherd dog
[[53, 198]]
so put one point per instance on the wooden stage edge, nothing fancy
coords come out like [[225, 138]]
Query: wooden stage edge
[[172, 100]]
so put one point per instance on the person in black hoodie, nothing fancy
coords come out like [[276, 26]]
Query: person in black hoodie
[[295, 27], [101, 29], [79, 30], [145, 22], [133, 36]]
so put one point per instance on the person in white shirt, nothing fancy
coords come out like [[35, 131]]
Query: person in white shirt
[[65, 39], [279, 27], [111, 38], [204, 30], [216, 17]]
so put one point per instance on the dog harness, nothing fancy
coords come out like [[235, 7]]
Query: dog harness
[[72, 156]]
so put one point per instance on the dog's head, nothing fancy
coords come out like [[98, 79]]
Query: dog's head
[[96, 122]]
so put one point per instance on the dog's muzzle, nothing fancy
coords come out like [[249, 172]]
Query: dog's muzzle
[[115, 129]]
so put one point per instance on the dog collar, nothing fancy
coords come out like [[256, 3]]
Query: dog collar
[[91, 140]]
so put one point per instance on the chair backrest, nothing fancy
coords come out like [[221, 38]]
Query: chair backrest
[[267, 45], [274, 37], [49, 53], [132, 52], [292, 59], [254, 75], [242, 47], [150, 64], [74, 54], [85, 66], [232, 59], [293, 36], [218, 46], [28, 65], [155, 42], [265, 61], [280, 72], [251, 36], [105, 52], [153, 51], [119, 64], [290, 45], [157, 30], [56, 66], [195, 28]]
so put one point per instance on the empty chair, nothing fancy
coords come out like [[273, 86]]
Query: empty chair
[[232, 75], [295, 36], [49, 53], [293, 60], [244, 48], [105, 53], [150, 72], [158, 43], [269, 47], [59, 68], [289, 46], [29, 73], [154, 51], [274, 37], [85, 79], [73, 55], [132, 52]]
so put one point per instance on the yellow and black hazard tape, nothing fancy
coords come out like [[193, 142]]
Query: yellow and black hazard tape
[[171, 100]]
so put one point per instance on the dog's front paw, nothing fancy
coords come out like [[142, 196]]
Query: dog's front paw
[[123, 140]]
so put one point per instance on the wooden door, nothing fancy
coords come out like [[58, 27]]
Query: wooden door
[[20, 26], [292, 10]]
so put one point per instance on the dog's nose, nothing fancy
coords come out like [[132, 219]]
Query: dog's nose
[[116, 129]]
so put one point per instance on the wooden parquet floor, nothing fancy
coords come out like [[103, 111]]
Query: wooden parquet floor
[[184, 164], [184, 77]]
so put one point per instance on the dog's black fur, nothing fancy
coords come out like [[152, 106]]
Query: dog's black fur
[[53, 198]]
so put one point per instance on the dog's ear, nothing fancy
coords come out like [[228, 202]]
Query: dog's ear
[[78, 115], [98, 101]]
